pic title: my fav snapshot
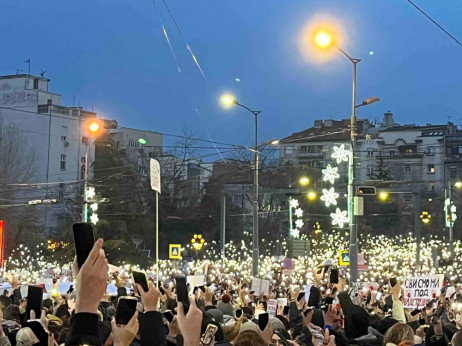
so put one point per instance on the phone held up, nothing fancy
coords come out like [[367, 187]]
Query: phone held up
[[182, 292], [84, 239], [209, 334], [126, 308], [263, 320]]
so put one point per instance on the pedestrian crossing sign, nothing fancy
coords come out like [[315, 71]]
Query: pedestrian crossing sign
[[344, 258], [175, 251]]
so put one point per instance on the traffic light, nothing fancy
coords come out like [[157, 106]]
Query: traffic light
[[425, 217], [450, 211], [366, 190]]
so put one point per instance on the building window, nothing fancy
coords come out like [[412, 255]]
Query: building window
[[459, 149], [431, 186], [430, 150], [370, 152], [62, 164], [289, 150], [431, 169], [453, 172], [84, 140], [370, 169], [407, 168], [36, 83], [303, 149], [63, 133], [392, 152]]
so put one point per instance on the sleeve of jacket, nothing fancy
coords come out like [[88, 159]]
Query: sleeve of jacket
[[17, 296], [4, 341], [345, 302], [152, 331], [84, 330], [295, 316], [398, 311]]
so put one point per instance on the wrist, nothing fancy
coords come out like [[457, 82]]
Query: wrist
[[88, 308], [149, 308]]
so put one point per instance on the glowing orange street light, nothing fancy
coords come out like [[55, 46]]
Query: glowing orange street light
[[323, 39], [93, 127]]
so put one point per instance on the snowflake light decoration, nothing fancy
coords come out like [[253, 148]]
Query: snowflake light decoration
[[94, 207], [330, 174], [339, 217], [298, 212], [91, 192], [294, 203], [329, 196], [296, 233], [299, 223], [340, 153], [94, 218]]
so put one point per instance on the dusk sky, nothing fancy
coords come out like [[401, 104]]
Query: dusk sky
[[112, 55]]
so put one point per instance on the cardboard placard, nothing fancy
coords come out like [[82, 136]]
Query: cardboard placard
[[419, 290], [195, 281], [260, 286], [272, 307]]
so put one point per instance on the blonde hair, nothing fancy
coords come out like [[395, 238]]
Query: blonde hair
[[399, 333]]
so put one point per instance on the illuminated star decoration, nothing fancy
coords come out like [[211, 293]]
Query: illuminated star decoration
[[296, 233], [298, 212], [94, 207], [340, 154], [339, 217], [330, 174], [329, 196], [94, 218]]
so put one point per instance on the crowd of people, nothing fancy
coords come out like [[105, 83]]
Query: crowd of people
[[228, 312]]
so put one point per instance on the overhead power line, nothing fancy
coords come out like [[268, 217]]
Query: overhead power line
[[434, 22]]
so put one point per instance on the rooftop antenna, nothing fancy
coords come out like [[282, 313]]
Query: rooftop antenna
[[449, 118], [28, 62], [18, 70], [42, 73], [73, 101]]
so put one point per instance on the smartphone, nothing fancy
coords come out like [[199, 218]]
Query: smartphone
[[168, 316], [40, 331], [238, 313], [300, 296], [333, 278], [263, 320], [393, 282], [286, 309], [126, 308], [84, 239], [182, 292], [209, 334], [140, 279], [34, 301], [378, 296]]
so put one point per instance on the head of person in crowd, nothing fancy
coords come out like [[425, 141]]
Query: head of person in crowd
[[398, 333]]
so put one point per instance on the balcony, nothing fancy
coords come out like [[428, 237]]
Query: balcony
[[309, 154]]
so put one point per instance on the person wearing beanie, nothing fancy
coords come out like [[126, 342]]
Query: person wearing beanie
[[225, 305], [26, 337]]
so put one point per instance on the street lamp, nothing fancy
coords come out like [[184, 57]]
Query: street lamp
[[93, 129], [324, 40], [228, 101]]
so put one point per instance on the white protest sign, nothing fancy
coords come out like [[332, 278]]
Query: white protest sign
[[282, 301], [260, 286], [154, 167], [308, 292], [195, 281], [271, 307], [421, 289]]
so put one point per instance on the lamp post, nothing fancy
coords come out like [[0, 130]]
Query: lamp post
[[324, 40], [450, 212], [227, 101], [93, 128]]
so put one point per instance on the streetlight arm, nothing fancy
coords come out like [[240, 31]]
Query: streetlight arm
[[353, 60], [250, 110]]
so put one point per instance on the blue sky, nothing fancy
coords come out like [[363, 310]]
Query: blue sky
[[112, 55]]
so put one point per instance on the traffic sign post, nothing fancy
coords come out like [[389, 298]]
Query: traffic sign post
[[174, 251]]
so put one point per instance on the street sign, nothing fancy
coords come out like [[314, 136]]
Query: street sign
[[175, 251], [288, 264], [154, 167], [366, 190], [344, 257]]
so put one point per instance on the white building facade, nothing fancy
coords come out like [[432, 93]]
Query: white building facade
[[56, 134]]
